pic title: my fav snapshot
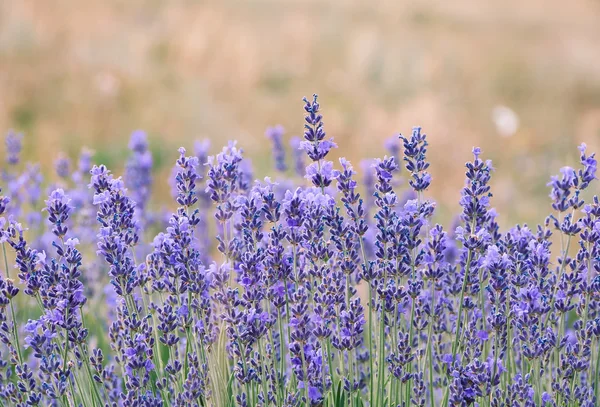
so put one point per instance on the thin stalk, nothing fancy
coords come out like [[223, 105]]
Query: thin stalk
[[304, 372], [157, 354], [66, 340], [460, 305], [287, 318], [350, 360], [538, 396], [482, 307], [245, 372], [87, 362], [322, 344], [560, 271], [381, 350], [392, 396], [287, 309], [82, 393], [410, 328], [393, 381], [370, 308], [496, 353], [429, 356], [319, 166], [587, 296], [70, 401], [560, 336], [329, 361], [273, 359], [410, 341], [371, 355], [262, 372], [597, 376], [459, 321], [282, 371], [509, 357], [12, 311]]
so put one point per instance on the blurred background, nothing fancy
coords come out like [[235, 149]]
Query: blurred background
[[518, 78]]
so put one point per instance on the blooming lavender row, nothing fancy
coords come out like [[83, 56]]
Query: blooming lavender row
[[315, 292]]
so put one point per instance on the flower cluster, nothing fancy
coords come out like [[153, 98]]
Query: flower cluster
[[320, 172], [138, 171], [327, 292]]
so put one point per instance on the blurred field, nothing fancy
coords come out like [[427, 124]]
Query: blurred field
[[88, 73]]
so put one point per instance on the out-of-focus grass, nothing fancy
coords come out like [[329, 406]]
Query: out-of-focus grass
[[88, 73]]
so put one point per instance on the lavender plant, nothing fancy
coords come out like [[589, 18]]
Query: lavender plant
[[313, 290]]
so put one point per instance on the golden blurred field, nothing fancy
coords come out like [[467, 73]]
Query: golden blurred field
[[89, 72]]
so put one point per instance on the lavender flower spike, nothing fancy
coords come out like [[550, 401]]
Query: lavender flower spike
[[275, 134]]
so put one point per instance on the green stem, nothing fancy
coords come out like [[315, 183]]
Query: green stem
[[597, 375], [482, 307], [460, 306], [86, 358], [509, 357], [429, 357], [281, 350], [560, 272], [329, 361], [245, 373], [319, 165], [410, 341], [350, 360], [370, 332], [304, 373], [262, 372], [538, 395], [496, 353], [459, 321], [393, 380], [371, 355], [273, 362], [66, 340], [82, 393], [381, 350], [12, 311], [587, 296]]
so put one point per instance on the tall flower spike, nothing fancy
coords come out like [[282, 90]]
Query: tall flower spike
[[562, 188], [203, 238], [186, 179], [476, 194], [316, 147], [222, 184], [62, 166], [588, 173], [415, 149], [138, 171], [14, 144], [298, 156], [392, 145], [118, 229], [201, 150], [351, 199], [275, 134]]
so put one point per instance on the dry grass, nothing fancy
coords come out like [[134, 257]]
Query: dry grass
[[75, 73]]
